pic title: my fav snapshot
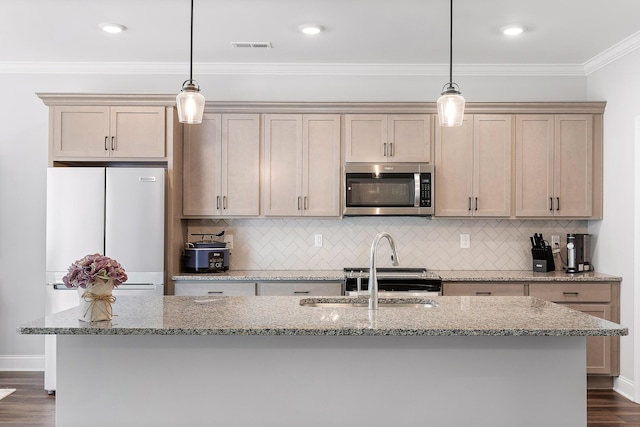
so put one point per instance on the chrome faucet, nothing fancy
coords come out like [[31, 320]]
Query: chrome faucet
[[373, 277]]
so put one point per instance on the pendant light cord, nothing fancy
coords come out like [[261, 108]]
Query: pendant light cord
[[450, 44], [191, 47]]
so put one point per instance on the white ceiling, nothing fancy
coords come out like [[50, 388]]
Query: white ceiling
[[560, 33]]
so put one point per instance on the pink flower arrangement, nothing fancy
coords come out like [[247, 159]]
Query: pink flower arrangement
[[84, 271]]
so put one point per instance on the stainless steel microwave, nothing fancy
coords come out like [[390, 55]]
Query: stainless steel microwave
[[388, 189]]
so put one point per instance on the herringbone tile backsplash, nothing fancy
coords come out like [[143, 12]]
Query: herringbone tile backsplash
[[288, 244]]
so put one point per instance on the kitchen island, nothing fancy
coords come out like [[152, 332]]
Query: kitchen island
[[270, 361]]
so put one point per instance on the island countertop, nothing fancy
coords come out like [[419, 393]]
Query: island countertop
[[453, 316]]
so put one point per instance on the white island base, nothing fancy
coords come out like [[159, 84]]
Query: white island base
[[281, 381]]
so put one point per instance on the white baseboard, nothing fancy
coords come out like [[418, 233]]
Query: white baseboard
[[625, 387], [22, 363]]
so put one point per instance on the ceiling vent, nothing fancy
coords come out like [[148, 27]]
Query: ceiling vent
[[258, 45]]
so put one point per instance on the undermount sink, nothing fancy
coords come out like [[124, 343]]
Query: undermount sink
[[364, 303]]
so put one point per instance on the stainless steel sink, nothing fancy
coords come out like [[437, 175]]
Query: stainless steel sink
[[364, 303]]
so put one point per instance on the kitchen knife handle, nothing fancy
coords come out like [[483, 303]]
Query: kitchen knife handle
[[299, 205], [106, 147], [476, 203], [113, 143], [550, 203], [384, 149], [558, 204], [469, 203], [217, 202], [224, 202]]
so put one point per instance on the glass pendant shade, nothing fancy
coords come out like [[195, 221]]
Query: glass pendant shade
[[190, 103], [450, 108]]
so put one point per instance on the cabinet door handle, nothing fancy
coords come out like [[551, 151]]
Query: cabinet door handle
[[224, 202], [217, 202], [570, 294], [558, 203], [306, 203], [384, 149], [391, 149], [113, 143], [469, 203], [299, 203], [106, 147], [550, 203], [301, 292], [476, 203], [483, 293], [215, 292]]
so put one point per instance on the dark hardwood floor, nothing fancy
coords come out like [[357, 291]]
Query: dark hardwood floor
[[31, 406]]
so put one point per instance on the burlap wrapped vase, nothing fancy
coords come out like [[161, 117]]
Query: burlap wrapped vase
[[96, 300]]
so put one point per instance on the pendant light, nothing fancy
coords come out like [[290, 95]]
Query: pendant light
[[190, 101], [451, 103]]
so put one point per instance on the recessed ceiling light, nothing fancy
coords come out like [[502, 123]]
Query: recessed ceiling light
[[311, 29], [110, 27], [512, 30]]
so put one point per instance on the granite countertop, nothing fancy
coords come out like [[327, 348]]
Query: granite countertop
[[453, 316], [446, 275]]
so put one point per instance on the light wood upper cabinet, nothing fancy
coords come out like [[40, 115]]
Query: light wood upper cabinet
[[221, 174], [302, 166], [388, 138], [103, 131], [554, 165], [473, 167]]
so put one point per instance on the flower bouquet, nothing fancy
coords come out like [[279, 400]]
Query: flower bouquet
[[95, 277]]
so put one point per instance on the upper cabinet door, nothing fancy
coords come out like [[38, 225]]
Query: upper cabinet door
[[573, 185], [137, 132], [534, 165], [492, 165], [241, 165], [365, 138], [453, 169], [201, 167], [81, 131], [409, 138], [282, 187], [322, 168]]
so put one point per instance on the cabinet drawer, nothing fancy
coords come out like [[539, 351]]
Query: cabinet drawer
[[483, 289], [215, 288], [571, 292], [300, 288]]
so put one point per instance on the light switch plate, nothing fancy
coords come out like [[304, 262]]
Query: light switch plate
[[229, 239], [318, 240], [465, 241], [555, 241]]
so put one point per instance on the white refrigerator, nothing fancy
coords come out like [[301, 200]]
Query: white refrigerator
[[114, 211]]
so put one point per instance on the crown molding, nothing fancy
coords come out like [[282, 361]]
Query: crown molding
[[612, 54], [149, 68]]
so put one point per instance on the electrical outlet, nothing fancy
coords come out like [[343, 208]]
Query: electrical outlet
[[318, 240], [465, 241], [229, 239], [555, 241]]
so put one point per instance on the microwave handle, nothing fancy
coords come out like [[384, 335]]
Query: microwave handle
[[416, 190]]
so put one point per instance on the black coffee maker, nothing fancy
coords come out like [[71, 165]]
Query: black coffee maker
[[578, 253]]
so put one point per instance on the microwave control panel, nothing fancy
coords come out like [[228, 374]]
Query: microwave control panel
[[425, 190]]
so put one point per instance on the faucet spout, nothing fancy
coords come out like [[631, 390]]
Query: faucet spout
[[373, 276]]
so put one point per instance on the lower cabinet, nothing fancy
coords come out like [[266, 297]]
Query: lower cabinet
[[599, 300], [307, 288], [483, 289], [215, 288]]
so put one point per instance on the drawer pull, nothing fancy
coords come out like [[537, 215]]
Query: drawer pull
[[216, 292], [301, 292], [483, 293], [570, 294]]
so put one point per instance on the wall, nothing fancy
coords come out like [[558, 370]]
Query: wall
[[23, 158], [276, 244], [616, 235]]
